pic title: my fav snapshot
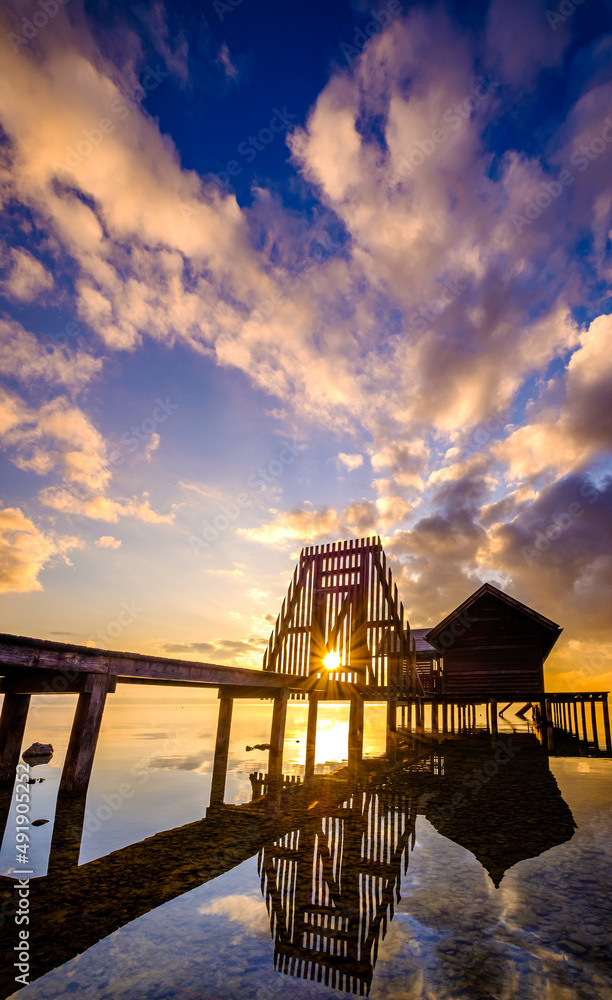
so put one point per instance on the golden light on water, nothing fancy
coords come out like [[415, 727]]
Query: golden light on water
[[331, 661]]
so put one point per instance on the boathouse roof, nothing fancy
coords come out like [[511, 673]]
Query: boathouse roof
[[549, 630]]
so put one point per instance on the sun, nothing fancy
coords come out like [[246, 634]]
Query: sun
[[331, 661]]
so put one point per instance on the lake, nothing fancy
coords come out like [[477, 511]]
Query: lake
[[472, 869]]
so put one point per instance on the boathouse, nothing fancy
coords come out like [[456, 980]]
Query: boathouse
[[491, 644]]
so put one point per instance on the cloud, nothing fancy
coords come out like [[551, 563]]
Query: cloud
[[108, 542], [350, 462], [25, 550], [58, 436], [242, 909], [230, 70], [360, 517], [101, 508], [24, 358], [28, 278], [564, 437]]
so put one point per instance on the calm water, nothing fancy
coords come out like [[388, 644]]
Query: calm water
[[394, 884]]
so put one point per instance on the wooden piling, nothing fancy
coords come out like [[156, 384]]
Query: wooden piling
[[311, 734], [606, 717], [84, 736], [355, 741], [224, 725], [12, 727], [277, 737], [493, 709], [594, 723]]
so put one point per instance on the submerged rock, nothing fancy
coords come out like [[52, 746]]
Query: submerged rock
[[259, 746], [38, 753]]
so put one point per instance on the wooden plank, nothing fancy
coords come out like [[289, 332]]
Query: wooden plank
[[18, 653]]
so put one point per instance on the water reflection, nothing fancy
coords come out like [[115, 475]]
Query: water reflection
[[332, 881], [331, 851]]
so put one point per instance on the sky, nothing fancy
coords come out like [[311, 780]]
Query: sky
[[276, 274]]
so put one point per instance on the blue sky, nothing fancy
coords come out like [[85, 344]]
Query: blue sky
[[275, 274]]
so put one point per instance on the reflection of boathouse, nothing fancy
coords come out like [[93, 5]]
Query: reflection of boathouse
[[332, 881], [331, 886]]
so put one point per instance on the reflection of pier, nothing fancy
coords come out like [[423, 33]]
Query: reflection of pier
[[332, 852], [331, 885]]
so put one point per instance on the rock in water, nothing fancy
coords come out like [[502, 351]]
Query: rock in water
[[38, 753]]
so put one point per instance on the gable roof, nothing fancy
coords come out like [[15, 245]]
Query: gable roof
[[422, 646], [550, 631]]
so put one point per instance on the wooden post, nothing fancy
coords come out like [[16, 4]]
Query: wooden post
[[84, 736], [594, 721], [606, 716], [311, 734], [391, 715], [434, 716], [493, 707], [409, 716], [576, 718], [584, 724], [224, 725], [277, 737], [12, 726], [355, 738], [444, 717]]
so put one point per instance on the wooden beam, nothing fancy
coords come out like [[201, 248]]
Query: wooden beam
[[277, 736], [311, 734], [19, 652], [355, 739], [224, 725], [12, 726], [606, 716], [84, 737]]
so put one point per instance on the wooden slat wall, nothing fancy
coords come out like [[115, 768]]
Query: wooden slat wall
[[342, 598], [498, 653]]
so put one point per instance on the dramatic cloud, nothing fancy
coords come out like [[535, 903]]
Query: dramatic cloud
[[25, 550]]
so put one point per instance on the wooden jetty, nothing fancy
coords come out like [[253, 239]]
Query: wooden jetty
[[341, 635]]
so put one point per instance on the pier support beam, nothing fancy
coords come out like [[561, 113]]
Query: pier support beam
[[224, 725], [311, 734], [391, 719], [606, 718], [594, 723], [84, 736], [277, 738], [584, 723], [12, 727], [355, 736], [493, 710]]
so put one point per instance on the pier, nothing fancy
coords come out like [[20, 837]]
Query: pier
[[341, 635]]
